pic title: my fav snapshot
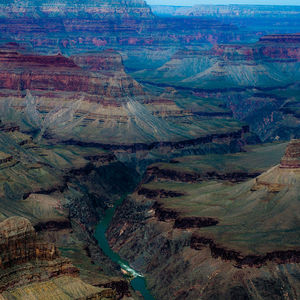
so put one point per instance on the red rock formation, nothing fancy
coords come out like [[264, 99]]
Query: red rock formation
[[17, 60], [58, 73]]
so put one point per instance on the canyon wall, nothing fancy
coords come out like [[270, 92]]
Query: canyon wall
[[34, 265]]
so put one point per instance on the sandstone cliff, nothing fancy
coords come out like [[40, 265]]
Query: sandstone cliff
[[33, 268], [291, 159]]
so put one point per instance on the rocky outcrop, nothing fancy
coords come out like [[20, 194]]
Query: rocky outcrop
[[229, 139], [108, 60], [27, 263], [5, 158], [174, 251], [279, 51], [89, 98], [63, 191], [19, 244], [64, 287], [243, 75], [9, 127], [234, 67], [291, 159], [58, 73]]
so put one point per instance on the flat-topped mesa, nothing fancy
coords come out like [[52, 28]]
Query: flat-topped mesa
[[111, 9], [281, 38], [291, 159]]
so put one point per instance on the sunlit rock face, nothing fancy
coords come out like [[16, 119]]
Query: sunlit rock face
[[29, 265], [291, 159]]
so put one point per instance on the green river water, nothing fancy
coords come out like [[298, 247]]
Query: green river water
[[138, 282]]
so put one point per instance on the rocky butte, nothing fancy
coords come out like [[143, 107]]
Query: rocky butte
[[291, 159]]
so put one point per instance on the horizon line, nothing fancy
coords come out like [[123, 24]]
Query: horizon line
[[207, 4]]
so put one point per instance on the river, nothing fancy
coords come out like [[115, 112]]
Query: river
[[138, 282]]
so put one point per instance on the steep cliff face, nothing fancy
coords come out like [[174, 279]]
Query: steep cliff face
[[212, 239], [58, 73], [32, 264], [291, 158]]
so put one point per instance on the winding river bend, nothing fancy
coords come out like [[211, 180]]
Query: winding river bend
[[138, 282]]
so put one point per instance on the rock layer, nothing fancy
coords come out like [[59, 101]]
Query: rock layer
[[291, 159], [28, 263]]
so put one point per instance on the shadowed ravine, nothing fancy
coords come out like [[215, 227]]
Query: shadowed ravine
[[138, 282]]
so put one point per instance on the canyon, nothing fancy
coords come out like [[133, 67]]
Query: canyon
[[149, 152], [90, 99], [51, 198], [225, 237], [251, 79]]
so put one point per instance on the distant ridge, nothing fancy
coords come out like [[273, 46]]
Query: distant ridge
[[79, 8], [281, 38]]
